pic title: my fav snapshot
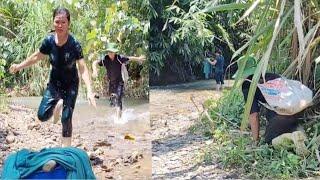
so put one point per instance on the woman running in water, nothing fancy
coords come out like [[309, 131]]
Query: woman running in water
[[64, 52]]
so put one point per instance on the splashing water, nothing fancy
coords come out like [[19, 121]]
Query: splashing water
[[127, 115]]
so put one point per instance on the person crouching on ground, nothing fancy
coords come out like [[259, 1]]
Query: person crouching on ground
[[277, 125]]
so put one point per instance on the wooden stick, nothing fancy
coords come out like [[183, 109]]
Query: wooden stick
[[201, 112], [194, 103]]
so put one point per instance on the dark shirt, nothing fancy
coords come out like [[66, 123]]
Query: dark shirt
[[277, 124], [258, 95], [220, 63], [63, 60], [268, 76], [113, 67]]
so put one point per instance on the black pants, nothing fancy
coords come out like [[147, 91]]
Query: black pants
[[219, 77], [280, 124], [50, 98], [116, 91], [258, 95], [277, 124]]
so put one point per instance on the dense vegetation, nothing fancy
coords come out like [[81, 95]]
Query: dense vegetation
[[283, 35], [24, 24], [234, 149], [181, 32]]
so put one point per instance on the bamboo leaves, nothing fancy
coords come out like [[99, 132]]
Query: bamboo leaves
[[226, 37], [249, 10], [317, 60], [262, 65], [226, 7], [25, 24], [266, 55]]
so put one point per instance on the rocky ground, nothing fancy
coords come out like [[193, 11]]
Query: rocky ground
[[175, 150], [116, 154]]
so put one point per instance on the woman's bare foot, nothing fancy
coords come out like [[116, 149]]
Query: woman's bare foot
[[49, 166], [57, 111]]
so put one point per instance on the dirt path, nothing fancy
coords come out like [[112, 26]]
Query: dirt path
[[112, 156], [175, 151]]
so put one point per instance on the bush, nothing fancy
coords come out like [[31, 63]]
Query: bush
[[235, 150]]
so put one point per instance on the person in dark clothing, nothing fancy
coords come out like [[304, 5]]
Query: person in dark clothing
[[64, 52], [113, 62], [276, 124], [218, 62]]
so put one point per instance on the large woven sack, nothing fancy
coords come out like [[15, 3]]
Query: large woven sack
[[286, 97]]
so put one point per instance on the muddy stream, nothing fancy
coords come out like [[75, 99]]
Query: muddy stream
[[176, 150], [95, 130]]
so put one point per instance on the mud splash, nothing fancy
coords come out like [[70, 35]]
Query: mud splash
[[94, 130]]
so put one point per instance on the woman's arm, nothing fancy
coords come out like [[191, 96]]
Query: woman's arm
[[95, 69], [35, 57], [214, 62], [138, 59], [85, 76]]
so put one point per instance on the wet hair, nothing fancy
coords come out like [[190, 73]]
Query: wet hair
[[60, 10]]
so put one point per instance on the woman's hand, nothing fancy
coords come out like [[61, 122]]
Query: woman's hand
[[142, 58], [138, 59], [14, 68], [85, 76], [35, 57]]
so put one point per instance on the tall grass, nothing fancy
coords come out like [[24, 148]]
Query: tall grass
[[285, 40], [234, 149], [273, 22]]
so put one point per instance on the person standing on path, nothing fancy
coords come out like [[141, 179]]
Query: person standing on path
[[218, 62], [64, 53], [113, 62], [207, 68]]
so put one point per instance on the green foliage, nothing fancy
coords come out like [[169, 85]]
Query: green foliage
[[278, 36], [181, 33], [2, 70], [235, 150], [261, 162], [224, 118], [234, 100]]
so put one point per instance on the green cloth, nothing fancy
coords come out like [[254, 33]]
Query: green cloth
[[25, 162], [206, 66]]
